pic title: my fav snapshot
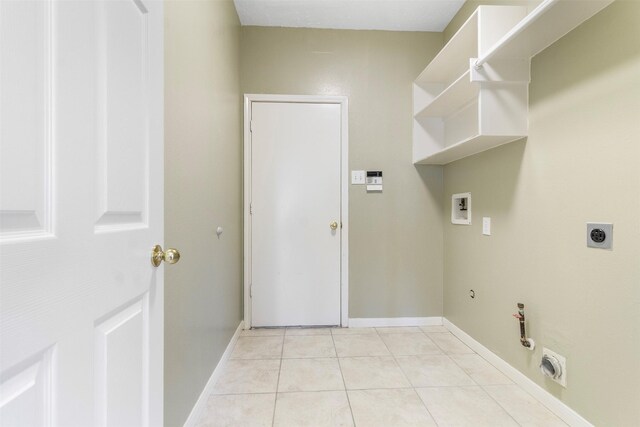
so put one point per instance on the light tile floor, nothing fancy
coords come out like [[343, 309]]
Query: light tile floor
[[388, 377]]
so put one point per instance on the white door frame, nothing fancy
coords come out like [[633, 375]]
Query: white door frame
[[344, 190]]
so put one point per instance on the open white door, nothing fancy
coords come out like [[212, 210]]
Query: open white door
[[81, 206]]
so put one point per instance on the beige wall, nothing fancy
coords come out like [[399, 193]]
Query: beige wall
[[579, 164], [203, 189], [395, 237]]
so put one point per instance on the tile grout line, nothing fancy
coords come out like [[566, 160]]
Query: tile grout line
[[242, 394], [436, 343], [275, 398], [256, 357], [395, 358], [444, 353], [407, 378], [482, 387], [501, 406], [346, 392], [477, 384], [526, 392]]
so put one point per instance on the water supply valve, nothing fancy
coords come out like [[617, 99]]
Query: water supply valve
[[528, 343]]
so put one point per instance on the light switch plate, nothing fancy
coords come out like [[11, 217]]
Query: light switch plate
[[486, 226], [357, 177]]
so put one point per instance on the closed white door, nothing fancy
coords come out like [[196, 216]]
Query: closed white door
[[295, 213], [81, 206]]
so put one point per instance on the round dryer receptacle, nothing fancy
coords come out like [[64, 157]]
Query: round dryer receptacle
[[550, 367], [598, 235]]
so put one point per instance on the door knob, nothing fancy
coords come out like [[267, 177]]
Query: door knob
[[170, 256], [334, 225]]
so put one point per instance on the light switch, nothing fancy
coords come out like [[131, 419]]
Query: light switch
[[357, 177], [486, 226]]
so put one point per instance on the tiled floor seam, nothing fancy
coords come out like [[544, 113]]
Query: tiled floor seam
[[457, 386], [241, 394], [463, 370], [425, 406], [503, 408], [275, 403], [482, 388], [476, 381], [407, 378], [265, 358], [346, 392], [304, 391]]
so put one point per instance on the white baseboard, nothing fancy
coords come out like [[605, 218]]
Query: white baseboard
[[381, 322], [554, 404], [201, 403]]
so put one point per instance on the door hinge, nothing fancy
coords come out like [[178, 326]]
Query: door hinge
[[251, 290], [250, 125], [250, 208]]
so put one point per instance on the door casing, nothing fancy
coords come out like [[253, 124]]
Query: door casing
[[344, 193]]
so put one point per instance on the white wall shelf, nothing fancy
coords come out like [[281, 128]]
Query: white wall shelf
[[459, 93], [453, 59], [473, 96], [458, 110], [468, 147], [548, 22]]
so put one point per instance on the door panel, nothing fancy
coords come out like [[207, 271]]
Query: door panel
[[122, 73], [27, 393], [295, 195], [25, 111], [81, 126], [120, 366]]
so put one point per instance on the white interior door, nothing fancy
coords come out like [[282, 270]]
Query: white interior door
[[295, 196], [81, 205]]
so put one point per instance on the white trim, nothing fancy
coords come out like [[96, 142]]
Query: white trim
[[201, 403], [344, 214], [381, 322], [344, 203], [246, 188], [554, 404]]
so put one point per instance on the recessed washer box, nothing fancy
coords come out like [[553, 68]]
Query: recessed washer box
[[461, 209]]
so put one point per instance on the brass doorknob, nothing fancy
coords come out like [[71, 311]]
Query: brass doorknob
[[170, 256], [334, 225]]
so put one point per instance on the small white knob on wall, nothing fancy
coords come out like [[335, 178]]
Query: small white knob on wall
[[219, 231]]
